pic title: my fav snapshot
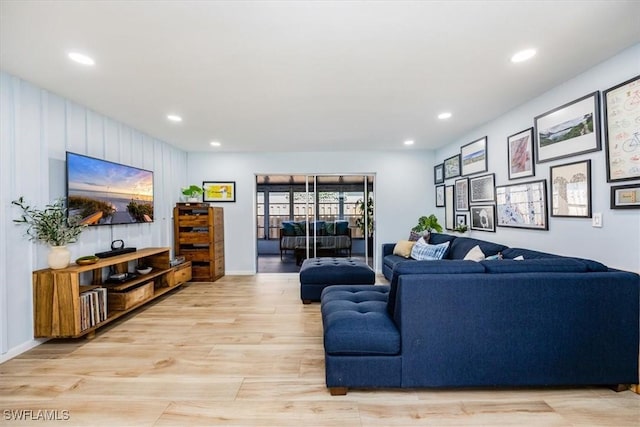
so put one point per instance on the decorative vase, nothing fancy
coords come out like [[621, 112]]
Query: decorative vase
[[59, 257]]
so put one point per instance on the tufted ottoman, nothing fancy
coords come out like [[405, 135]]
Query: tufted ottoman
[[318, 273]]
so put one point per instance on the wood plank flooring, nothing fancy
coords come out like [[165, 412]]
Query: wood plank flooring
[[245, 351]]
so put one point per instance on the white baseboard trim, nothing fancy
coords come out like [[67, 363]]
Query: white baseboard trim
[[16, 351]]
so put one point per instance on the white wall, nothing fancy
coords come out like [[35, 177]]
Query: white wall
[[403, 190], [617, 243], [37, 127]]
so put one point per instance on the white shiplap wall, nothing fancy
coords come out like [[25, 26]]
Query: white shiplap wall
[[36, 129]]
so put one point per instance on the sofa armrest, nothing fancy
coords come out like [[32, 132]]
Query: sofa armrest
[[387, 249]]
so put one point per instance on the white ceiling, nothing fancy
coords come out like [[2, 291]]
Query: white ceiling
[[308, 75]]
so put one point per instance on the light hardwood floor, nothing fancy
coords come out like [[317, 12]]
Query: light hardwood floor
[[245, 351]]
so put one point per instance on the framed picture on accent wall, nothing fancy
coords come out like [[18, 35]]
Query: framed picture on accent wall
[[571, 190], [622, 130], [452, 167], [462, 194], [483, 218], [568, 130], [522, 205], [449, 206], [520, 154], [440, 196], [438, 174], [219, 191], [625, 196], [473, 157], [482, 188]]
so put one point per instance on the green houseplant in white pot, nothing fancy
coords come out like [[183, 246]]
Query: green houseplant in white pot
[[192, 193], [51, 226]]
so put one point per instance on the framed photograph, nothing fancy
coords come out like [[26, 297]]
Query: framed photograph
[[569, 130], [482, 188], [483, 218], [219, 191], [520, 154], [473, 157], [440, 196], [452, 167], [438, 173], [622, 130], [461, 219], [625, 196], [571, 190], [462, 194], [448, 208], [523, 205]]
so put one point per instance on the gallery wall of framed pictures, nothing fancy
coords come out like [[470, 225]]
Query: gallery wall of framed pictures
[[560, 136]]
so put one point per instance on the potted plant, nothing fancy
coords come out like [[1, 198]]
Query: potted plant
[[366, 220], [461, 228], [51, 226], [192, 193], [426, 224]]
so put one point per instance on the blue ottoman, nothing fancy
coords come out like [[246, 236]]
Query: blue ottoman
[[318, 273]]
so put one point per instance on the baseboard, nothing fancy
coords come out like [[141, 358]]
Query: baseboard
[[16, 351]]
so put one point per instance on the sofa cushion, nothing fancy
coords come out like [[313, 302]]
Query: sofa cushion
[[462, 245], [437, 238], [288, 229], [330, 228], [356, 322], [540, 265], [299, 228], [424, 251], [403, 248], [531, 254], [475, 254], [342, 227]]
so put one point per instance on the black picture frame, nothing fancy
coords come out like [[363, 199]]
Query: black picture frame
[[622, 130], [452, 167], [473, 157], [625, 196], [438, 174], [482, 188], [449, 205], [571, 189], [522, 205], [461, 194], [569, 130], [520, 154], [440, 196], [483, 218], [219, 191], [461, 219]]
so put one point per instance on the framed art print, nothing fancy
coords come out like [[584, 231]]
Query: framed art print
[[520, 154], [448, 208], [482, 188], [622, 130], [219, 191], [440, 196], [522, 205], [483, 218], [452, 167], [571, 190], [438, 174], [625, 196], [462, 194], [473, 157], [568, 130], [461, 219]]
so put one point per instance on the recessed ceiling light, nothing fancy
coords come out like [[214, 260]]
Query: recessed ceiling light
[[444, 116], [174, 118], [409, 142], [81, 59], [215, 144], [523, 55]]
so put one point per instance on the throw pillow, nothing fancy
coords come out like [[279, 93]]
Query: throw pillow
[[330, 227], [403, 248], [494, 257], [475, 254], [414, 236], [519, 258], [288, 228], [299, 228], [342, 228], [424, 251]]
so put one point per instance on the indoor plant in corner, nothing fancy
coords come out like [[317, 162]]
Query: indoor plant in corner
[[192, 193], [426, 224], [51, 226]]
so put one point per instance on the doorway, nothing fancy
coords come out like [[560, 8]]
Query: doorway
[[333, 215]]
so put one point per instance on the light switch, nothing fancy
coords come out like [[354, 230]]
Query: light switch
[[596, 220]]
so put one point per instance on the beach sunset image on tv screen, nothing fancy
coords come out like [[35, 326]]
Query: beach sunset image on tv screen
[[103, 192]]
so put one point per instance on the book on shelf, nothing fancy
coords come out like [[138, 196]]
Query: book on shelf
[[93, 307]]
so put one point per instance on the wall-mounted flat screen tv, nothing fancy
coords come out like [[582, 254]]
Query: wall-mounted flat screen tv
[[107, 193]]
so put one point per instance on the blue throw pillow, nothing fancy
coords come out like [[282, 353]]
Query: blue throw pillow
[[299, 228], [288, 229], [330, 228], [424, 251], [342, 228]]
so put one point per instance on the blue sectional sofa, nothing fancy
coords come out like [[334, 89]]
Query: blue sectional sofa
[[546, 320]]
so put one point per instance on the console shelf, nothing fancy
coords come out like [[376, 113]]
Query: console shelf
[[62, 308]]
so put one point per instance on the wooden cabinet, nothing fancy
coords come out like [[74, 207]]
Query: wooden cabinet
[[199, 237], [75, 301]]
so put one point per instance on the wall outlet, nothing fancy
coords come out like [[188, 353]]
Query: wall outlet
[[596, 220]]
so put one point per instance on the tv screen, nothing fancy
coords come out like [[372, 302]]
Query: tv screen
[[106, 193]]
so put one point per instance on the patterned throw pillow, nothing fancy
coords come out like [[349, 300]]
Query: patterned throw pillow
[[330, 227], [299, 228], [415, 236], [424, 251]]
